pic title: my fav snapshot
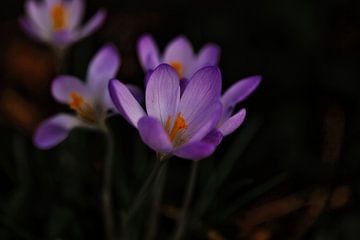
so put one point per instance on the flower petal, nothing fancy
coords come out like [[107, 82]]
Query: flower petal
[[148, 52], [180, 50], [195, 150], [103, 67], [76, 12], [208, 56], [125, 102], [214, 137], [240, 90], [63, 38], [64, 85], [153, 133], [30, 28], [54, 130], [202, 92], [93, 24], [162, 94], [38, 15], [232, 123]]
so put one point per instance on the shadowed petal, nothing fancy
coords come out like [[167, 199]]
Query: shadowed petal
[[214, 137], [208, 56], [64, 85], [202, 92], [240, 90], [125, 102], [162, 93], [180, 50], [195, 150], [103, 67], [148, 52], [76, 12], [30, 28], [136, 92], [153, 133], [38, 15], [232, 123], [93, 24], [63, 38], [54, 130]]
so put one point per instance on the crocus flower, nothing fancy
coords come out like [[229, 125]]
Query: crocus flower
[[234, 95], [57, 22], [179, 54], [90, 100], [174, 124]]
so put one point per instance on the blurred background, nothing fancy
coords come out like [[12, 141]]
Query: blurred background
[[292, 171]]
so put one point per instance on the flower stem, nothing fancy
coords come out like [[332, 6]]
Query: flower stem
[[181, 224], [107, 185]]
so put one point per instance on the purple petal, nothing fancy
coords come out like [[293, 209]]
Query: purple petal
[[209, 56], [125, 102], [63, 38], [147, 76], [240, 90], [195, 150], [136, 92], [148, 52], [76, 12], [180, 50], [202, 92], [162, 94], [93, 24], [183, 84], [214, 137], [232, 123], [54, 130], [30, 28], [64, 85], [38, 15], [103, 67], [153, 133]]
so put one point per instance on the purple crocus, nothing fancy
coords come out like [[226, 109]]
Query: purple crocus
[[234, 95], [57, 22], [173, 124], [179, 54], [90, 100]]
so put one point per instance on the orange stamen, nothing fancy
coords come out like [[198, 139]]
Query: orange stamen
[[58, 15], [84, 110], [178, 68], [179, 124]]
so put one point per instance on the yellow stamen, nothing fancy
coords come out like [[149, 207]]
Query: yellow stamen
[[178, 68], [83, 109], [58, 15], [179, 124]]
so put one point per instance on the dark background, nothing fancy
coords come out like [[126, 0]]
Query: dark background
[[291, 171]]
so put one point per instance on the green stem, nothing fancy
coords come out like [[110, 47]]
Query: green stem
[[107, 186], [181, 224]]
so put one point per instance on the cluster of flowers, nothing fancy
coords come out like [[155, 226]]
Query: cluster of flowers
[[182, 111]]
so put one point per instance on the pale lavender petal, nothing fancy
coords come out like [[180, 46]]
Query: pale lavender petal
[[93, 24], [76, 12], [199, 129], [214, 137], [162, 93], [208, 56], [199, 97], [103, 67], [232, 123], [195, 150], [63, 38], [64, 85], [38, 15], [125, 102], [180, 51], [240, 90], [148, 52], [136, 92], [54, 130], [153, 134]]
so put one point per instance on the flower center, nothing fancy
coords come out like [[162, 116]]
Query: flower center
[[82, 108], [179, 125], [58, 15], [178, 68]]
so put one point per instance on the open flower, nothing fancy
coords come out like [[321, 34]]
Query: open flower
[[174, 124], [57, 22], [90, 100], [234, 95], [179, 54]]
